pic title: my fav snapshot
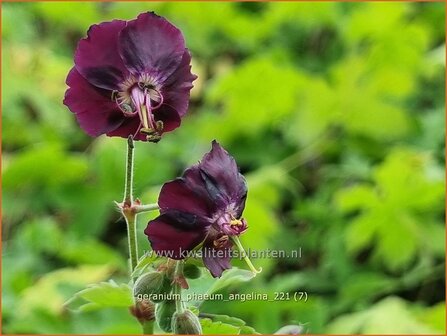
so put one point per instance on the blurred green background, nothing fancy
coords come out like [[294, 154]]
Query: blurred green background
[[334, 112]]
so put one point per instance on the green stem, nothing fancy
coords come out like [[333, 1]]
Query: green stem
[[148, 327], [178, 272], [178, 302], [145, 207], [128, 187], [236, 240], [131, 221], [126, 208]]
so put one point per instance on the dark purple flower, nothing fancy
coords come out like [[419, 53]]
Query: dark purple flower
[[130, 78], [205, 205]]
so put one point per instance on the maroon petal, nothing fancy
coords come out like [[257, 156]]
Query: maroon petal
[[216, 260], [95, 111], [130, 126], [174, 233], [186, 194], [151, 44], [222, 178], [176, 89], [97, 58], [169, 116]]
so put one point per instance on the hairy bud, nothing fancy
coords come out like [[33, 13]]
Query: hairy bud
[[152, 286], [143, 311], [186, 323]]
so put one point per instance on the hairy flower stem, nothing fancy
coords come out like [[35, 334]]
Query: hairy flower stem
[[178, 273], [130, 207], [128, 187], [131, 221], [139, 208], [126, 208]]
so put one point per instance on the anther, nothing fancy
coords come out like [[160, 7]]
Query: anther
[[153, 138], [127, 109], [235, 222], [159, 126]]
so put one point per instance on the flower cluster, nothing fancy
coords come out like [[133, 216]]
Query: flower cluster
[[131, 78]]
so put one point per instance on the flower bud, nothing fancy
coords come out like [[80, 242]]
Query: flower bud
[[191, 271], [143, 311], [163, 315], [186, 323], [152, 286]]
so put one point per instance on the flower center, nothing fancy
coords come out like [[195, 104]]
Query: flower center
[[141, 97], [230, 225]]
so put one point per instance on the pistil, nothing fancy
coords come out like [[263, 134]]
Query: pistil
[[142, 101], [238, 244], [147, 121], [236, 222]]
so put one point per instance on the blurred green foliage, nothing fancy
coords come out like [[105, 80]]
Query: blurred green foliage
[[335, 113]]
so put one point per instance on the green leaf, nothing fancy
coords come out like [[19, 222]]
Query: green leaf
[[234, 321], [247, 330], [408, 190], [433, 316], [356, 197], [398, 244], [263, 105], [103, 295], [147, 260], [218, 328], [207, 285], [55, 286], [365, 286], [361, 232], [90, 251], [390, 316], [231, 277], [44, 166]]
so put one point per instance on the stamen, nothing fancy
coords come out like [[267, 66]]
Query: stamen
[[159, 96], [236, 240], [138, 129], [153, 138], [138, 101], [127, 109], [159, 125], [144, 114], [114, 95], [235, 222], [144, 99], [149, 109]]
